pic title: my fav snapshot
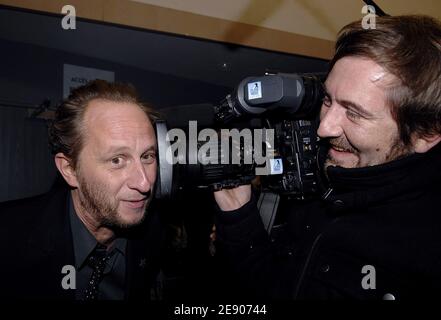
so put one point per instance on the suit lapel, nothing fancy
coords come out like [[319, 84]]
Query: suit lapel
[[50, 248], [136, 270], [143, 257]]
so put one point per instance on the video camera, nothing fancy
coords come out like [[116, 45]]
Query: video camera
[[266, 127]]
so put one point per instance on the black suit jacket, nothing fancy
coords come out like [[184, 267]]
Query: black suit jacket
[[385, 216], [36, 242]]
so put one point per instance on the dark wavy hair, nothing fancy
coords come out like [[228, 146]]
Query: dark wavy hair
[[408, 47], [65, 132]]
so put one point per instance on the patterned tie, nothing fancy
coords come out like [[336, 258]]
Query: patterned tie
[[97, 261]]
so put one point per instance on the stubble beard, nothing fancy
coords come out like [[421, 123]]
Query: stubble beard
[[397, 151], [102, 209]]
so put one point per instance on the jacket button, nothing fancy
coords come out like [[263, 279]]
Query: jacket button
[[325, 268], [308, 227], [388, 296], [339, 203]]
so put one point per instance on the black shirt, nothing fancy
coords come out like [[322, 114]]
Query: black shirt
[[112, 287]]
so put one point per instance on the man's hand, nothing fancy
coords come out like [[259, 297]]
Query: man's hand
[[232, 199]]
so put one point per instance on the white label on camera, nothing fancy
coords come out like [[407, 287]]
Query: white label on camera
[[276, 166], [254, 90]]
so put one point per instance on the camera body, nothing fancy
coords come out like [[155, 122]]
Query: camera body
[[266, 127]]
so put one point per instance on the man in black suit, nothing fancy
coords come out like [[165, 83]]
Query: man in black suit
[[91, 237]]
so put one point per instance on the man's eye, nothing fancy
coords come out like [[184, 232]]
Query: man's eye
[[352, 115], [117, 161], [149, 157], [327, 101]]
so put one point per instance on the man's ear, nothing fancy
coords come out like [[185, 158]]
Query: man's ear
[[423, 144], [64, 165]]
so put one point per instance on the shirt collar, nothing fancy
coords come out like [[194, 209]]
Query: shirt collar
[[359, 187], [84, 242], [419, 166]]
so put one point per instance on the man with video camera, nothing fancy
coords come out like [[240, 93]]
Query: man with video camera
[[376, 232]]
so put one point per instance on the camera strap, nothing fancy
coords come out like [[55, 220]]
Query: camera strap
[[267, 205]]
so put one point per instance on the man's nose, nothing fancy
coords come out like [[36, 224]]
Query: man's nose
[[139, 178], [331, 121]]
